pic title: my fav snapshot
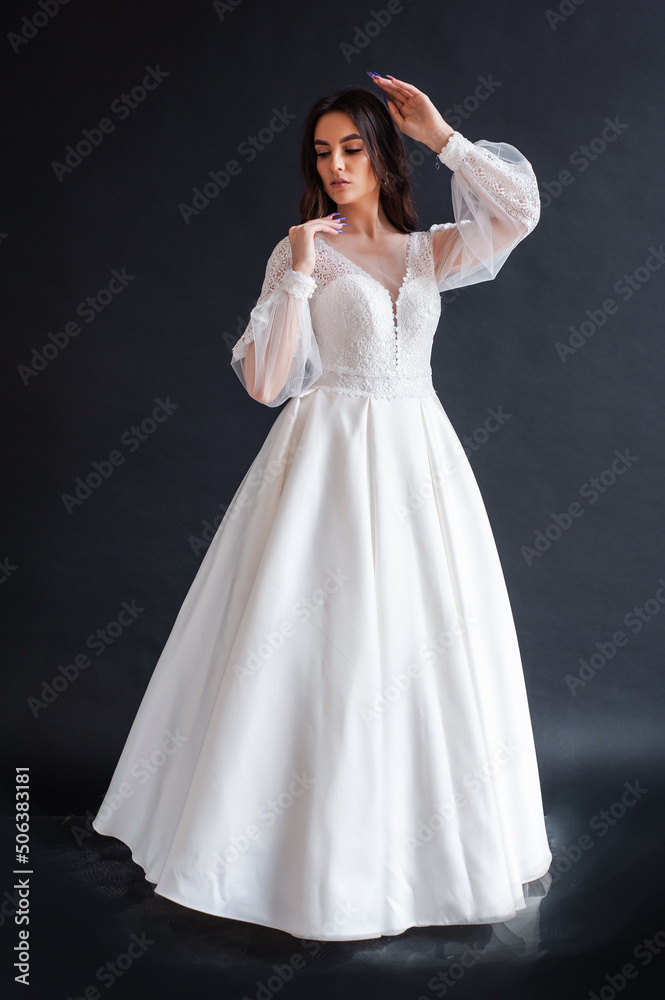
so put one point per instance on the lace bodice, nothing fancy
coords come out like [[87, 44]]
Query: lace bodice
[[367, 345], [341, 329]]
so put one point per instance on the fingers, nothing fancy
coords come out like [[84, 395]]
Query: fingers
[[398, 86], [328, 223], [406, 87]]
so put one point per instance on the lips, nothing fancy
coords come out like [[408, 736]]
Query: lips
[[338, 184]]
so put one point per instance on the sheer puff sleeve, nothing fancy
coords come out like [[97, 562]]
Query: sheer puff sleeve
[[495, 203], [278, 356]]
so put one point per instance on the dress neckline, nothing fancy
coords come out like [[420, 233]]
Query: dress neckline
[[366, 274]]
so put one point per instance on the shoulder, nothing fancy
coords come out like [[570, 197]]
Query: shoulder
[[283, 243], [281, 249]]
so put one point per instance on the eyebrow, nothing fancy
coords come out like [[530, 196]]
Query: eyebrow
[[322, 142]]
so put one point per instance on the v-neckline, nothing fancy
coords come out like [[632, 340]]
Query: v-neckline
[[376, 281]]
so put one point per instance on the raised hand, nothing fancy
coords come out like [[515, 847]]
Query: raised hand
[[302, 239], [413, 112]]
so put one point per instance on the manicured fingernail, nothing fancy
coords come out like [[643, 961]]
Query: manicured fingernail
[[369, 73]]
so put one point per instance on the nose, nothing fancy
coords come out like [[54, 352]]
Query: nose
[[336, 161]]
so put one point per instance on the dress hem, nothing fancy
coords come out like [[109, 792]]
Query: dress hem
[[306, 937]]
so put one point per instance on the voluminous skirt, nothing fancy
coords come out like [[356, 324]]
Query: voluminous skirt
[[336, 739]]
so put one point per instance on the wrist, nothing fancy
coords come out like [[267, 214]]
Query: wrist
[[299, 284], [439, 139]]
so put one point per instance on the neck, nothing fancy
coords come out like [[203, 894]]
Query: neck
[[367, 219]]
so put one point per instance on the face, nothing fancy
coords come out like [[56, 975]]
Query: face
[[341, 155]]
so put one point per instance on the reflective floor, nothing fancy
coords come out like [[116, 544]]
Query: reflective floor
[[593, 928]]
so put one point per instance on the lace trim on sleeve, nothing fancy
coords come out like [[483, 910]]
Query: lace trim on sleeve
[[510, 181], [300, 285]]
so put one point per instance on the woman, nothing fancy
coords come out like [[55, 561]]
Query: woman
[[336, 740]]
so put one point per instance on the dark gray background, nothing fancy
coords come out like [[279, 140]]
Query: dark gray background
[[168, 335], [170, 332]]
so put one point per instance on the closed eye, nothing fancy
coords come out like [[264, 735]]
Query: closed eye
[[346, 151]]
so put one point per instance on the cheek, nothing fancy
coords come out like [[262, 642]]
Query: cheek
[[368, 171]]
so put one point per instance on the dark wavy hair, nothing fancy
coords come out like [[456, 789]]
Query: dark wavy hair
[[385, 148]]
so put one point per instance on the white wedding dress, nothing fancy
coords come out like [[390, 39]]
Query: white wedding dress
[[336, 739]]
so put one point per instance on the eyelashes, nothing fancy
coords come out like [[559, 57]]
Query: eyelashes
[[346, 151]]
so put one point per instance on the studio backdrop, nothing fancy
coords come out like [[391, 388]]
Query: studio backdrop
[[150, 167]]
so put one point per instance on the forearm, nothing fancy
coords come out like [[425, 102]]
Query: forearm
[[265, 385], [277, 356]]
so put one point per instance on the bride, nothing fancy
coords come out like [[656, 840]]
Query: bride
[[350, 750]]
